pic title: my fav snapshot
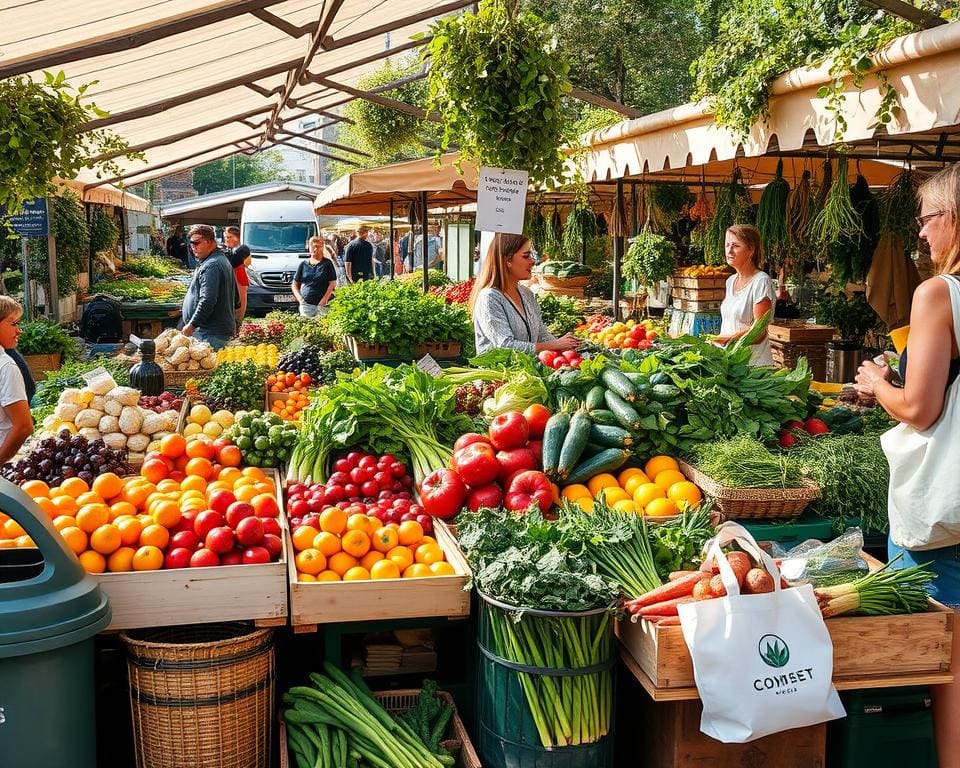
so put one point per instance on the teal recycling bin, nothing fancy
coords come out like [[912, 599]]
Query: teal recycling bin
[[50, 609]]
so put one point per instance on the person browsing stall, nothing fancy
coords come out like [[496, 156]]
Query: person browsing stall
[[506, 314], [922, 498], [358, 257], [750, 292], [315, 279], [16, 423], [239, 257], [209, 306]]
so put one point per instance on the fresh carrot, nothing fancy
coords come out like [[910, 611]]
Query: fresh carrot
[[680, 574], [666, 608], [669, 621], [682, 587]]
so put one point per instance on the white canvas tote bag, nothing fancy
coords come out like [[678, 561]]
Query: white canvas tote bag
[[762, 663], [924, 477]]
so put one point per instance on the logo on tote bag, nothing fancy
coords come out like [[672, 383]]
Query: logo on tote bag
[[773, 651]]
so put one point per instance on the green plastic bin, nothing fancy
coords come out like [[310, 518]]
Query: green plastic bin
[[50, 609]]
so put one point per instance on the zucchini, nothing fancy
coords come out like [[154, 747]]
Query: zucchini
[[610, 437], [637, 378], [591, 449], [664, 393], [573, 444], [626, 415], [604, 417], [617, 382], [562, 393], [595, 398], [554, 435], [660, 378], [606, 461]]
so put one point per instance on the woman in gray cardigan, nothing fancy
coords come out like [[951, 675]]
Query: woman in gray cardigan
[[505, 314]]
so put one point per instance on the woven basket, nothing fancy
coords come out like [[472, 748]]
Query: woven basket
[[179, 379], [564, 282], [744, 503], [201, 696]]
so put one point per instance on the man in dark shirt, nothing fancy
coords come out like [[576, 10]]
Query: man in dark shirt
[[239, 256], [209, 306], [358, 257], [177, 246]]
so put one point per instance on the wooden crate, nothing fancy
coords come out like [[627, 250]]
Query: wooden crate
[[868, 651], [699, 283], [676, 742], [201, 595], [363, 351], [313, 603], [786, 355], [699, 294], [687, 305], [798, 331], [438, 350], [41, 365]]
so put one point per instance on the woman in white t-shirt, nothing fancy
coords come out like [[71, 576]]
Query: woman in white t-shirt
[[16, 424], [750, 291]]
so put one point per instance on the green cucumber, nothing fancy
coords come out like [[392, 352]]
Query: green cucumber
[[595, 398], [617, 382], [637, 378], [554, 435], [610, 437], [605, 417], [605, 461], [626, 415], [592, 449], [660, 378], [573, 444], [664, 393]]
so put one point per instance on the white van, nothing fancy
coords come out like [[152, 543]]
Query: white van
[[276, 232]]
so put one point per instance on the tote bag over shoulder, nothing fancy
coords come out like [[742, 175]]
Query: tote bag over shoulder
[[762, 663], [924, 490]]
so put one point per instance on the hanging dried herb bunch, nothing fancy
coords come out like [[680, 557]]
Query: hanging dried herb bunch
[[772, 218], [837, 219], [898, 208], [664, 204], [800, 212], [733, 207], [579, 228]]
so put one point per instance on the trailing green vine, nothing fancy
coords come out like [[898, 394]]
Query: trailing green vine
[[104, 231], [579, 228], [733, 207], [72, 237], [496, 80], [772, 218]]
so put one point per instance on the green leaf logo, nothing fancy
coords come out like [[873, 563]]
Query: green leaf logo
[[774, 651]]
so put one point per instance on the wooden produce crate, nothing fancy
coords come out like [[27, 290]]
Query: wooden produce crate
[[799, 332], [202, 595], [313, 603], [438, 350], [699, 283], [689, 305], [41, 365], [699, 294], [786, 354], [269, 398], [457, 741], [868, 652], [363, 351]]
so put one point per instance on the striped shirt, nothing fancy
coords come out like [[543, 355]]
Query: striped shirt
[[498, 324]]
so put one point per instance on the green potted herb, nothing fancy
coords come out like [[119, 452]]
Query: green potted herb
[[43, 345], [852, 316], [649, 259]]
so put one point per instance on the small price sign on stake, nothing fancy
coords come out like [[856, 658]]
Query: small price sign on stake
[[501, 200], [428, 365]]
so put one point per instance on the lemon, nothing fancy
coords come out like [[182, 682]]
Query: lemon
[[223, 418], [192, 429], [200, 414], [212, 428]]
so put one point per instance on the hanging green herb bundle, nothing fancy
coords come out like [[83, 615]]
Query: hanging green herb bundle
[[800, 212], [649, 259], [772, 218], [898, 209], [552, 233], [665, 204], [535, 228], [733, 207], [579, 228], [837, 219]]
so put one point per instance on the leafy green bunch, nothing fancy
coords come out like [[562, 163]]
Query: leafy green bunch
[[560, 314], [44, 337], [649, 259], [497, 79], [398, 315], [72, 242], [314, 331], [852, 316], [104, 231], [151, 266], [236, 386]]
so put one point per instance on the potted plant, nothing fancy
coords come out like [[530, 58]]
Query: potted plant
[[649, 260], [44, 345], [854, 318]]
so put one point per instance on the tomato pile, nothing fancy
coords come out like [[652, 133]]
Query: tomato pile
[[556, 360], [501, 467], [458, 293]]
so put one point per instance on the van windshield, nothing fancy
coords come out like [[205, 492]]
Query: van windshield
[[278, 236]]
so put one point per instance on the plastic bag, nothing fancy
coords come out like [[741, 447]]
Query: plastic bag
[[821, 564]]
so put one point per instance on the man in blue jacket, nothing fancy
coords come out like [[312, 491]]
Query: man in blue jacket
[[209, 306]]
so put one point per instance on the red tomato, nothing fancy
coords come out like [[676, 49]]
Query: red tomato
[[443, 493], [537, 447], [528, 488], [509, 430], [816, 426], [468, 439], [486, 496], [476, 464], [513, 461], [536, 416], [547, 357]]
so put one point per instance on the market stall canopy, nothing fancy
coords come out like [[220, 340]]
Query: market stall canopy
[[369, 192], [374, 222], [684, 144], [219, 208], [106, 194], [188, 81]]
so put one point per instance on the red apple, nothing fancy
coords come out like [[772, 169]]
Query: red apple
[[273, 544], [204, 558], [250, 531], [187, 518], [270, 525], [233, 557], [178, 557], [206, 521], [237, 511], [219, 540], [256, 555], [185, 540], [221, 500]]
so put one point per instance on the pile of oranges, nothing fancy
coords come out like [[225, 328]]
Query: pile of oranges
[[352, 546], [285, 381], [660, 489], [126, 524], [291, 408]]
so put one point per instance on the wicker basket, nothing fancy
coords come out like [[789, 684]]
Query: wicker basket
[[397, 702], [178, 379], [551, 281], [201, 696], [744, 503]]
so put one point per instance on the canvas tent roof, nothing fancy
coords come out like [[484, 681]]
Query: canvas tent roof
[[188, 81], [225, 207], [685, 144], [106, 194]]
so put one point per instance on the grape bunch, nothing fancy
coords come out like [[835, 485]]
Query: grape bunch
[[160, 403], [54, 459]]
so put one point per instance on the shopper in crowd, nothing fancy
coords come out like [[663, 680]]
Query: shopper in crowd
[[505, 314], [334, 251], [209, 308], [358, 257], [177, 246], [434, 250], [315, 279], [239, 257], [750, 291], [397, 256], [16, 423], [405, 252], [920, 453]]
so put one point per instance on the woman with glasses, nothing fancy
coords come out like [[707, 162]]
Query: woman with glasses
[[16, 424], [506, 314], [923, 498]]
